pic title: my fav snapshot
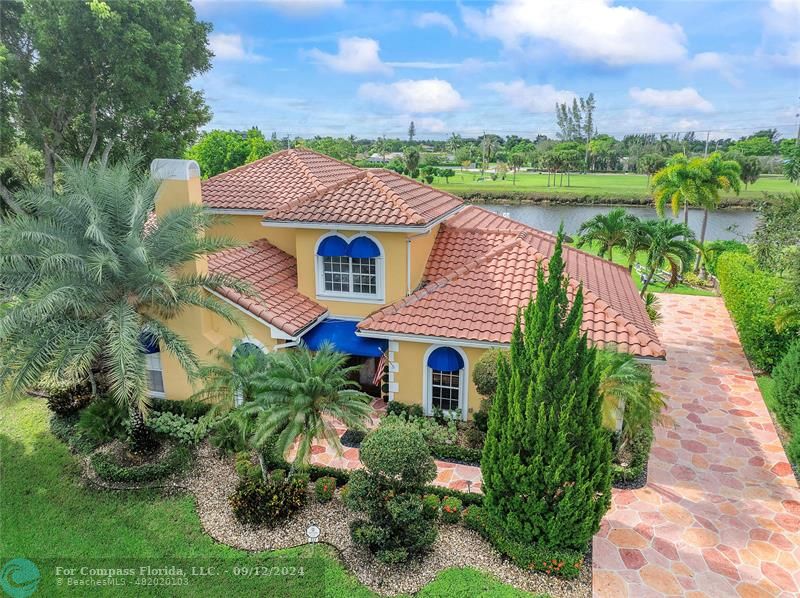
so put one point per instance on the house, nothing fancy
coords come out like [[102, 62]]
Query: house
[[390, 270]]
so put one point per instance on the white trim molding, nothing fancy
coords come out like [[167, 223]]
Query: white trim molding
[[440, 340], [380, 273], [232, 212], [252, 341], [463, 382], [344, 226]]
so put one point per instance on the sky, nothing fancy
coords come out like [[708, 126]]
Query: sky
[[342, 67]]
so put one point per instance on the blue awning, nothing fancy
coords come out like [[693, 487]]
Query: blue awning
[[148, 343], [445, 359], [363, 247], [342, 334], [333, 246]]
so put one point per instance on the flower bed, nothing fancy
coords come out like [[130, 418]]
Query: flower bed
[[116, 466]]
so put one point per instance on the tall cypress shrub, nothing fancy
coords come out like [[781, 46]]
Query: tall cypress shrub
[[547, 461]]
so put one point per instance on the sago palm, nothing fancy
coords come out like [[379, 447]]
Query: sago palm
[[234, 376], [607, 230], [670, 244], [299, 393], [629, 392], [89, 280]]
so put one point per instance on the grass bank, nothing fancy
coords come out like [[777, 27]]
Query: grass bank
[[50, 518], [626, 189]]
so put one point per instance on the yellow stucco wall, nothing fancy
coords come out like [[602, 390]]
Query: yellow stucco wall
[[246, 229], [421, 246], [409, 370], [205, 331]]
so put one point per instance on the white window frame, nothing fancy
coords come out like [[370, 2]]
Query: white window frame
[[427, 382], [238, 397], [154, 359], [322, 293]]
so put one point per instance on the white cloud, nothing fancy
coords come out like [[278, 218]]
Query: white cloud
[[592, 30], [355, 55], [671, 99], [436, 19], [714, 61], [302, 8], [790, 58], [426, 65], [420, 96], [783, 16], [231, 46], [531, 98], [429, 124]]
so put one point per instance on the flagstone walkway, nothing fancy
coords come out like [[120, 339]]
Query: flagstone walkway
[[720, 514]]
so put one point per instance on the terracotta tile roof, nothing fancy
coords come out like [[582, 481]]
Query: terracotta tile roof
[[272, 274], [374, 196], [274, 181], [483, 267]]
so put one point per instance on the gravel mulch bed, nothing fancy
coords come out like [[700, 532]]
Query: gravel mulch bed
[[633, 484], [213, 479]]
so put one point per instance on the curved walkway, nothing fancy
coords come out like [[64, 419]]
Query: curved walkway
[[720, 514]]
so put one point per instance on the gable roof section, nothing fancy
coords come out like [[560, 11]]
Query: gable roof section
[[482, 268], [370, 197], [272, 274], [276, 180]]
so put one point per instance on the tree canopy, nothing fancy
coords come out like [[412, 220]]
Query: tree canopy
[[220, 151]]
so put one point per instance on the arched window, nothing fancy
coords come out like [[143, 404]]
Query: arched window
[[445, 380], [349, 269]]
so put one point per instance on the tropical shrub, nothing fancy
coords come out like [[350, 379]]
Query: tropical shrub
[[484, 373], [749, 294], [481, 416], [715, 249], [245, 468], [546, 462], [454, 452], [259, 502], [353, 438], [177, 459], [787, 387], [389, 491], [475, 519], [226, 436], [103, 421], [189, 408], [178, 428], [324, 488], [68, 400], [451, 509], [793, 448], [431, 504], [397, 408], [474, 437], [558, 562], [639, 452], [63, 428]]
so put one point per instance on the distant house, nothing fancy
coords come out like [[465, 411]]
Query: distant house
[[404, 278], [384, 159]]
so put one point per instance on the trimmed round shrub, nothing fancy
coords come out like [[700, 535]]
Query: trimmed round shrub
[[324, 488], [451, 509], [226, 437], [388, 491], [431, 504], [484, 374], [787, 387], [398, 453]]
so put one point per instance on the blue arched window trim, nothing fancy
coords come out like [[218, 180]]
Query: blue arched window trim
[[333, 246], [445, 359], [363, 247]]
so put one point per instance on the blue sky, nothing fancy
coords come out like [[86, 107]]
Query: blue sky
[[341, 67]]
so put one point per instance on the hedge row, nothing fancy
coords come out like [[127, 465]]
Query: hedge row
[[749, 294], [176, 460], [459, 454], [563, 197]]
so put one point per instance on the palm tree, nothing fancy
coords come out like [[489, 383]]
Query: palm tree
[[608, 230], [92, 275], [668, 246], [234, 378], [637, 239], [299, 393], [719, 175], [678, 183], [629, 393], [453, 143], [411, 159]]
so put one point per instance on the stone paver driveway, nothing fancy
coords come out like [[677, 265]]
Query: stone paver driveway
[[720, 514]]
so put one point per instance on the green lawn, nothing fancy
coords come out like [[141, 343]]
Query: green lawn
[[600, 185], [766, 385], [656, 287], [47, 516]]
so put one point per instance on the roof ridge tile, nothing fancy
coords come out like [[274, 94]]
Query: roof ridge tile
[[395, 198]]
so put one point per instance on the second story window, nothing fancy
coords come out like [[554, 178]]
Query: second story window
[[351, 269]]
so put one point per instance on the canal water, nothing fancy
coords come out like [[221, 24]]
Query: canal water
[[722, 224]]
